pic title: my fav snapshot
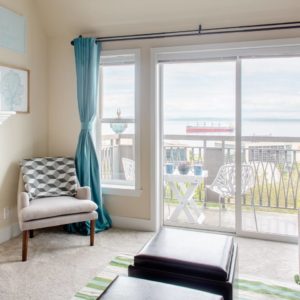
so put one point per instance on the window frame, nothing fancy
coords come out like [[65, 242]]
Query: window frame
[[118, 57]]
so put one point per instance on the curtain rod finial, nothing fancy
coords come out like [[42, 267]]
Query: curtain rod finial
[[72, 42]]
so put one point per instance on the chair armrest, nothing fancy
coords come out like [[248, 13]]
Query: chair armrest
[[23, 200], [83, 193]]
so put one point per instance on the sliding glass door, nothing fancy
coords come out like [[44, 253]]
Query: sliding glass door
[[231, 144], [199, 129], [271, 144]]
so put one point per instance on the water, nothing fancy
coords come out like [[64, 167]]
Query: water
[[250, 127]]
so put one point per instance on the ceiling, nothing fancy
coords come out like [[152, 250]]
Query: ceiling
[[105, 17]]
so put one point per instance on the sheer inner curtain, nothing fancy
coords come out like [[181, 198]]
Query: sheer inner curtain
[[87, 58]]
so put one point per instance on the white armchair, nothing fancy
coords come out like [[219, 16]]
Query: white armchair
[[54, 211]]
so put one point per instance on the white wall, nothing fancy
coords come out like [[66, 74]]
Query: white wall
[[23, 135], [64, 120]]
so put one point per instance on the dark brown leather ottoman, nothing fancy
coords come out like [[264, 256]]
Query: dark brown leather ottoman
[[130, 288], [188, 258]]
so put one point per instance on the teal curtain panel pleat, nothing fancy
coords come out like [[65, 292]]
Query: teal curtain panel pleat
[[87, 59]]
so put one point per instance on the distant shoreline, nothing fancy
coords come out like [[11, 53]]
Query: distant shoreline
[[232, 120]]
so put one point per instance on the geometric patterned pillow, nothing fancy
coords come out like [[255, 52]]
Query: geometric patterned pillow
[[49, 177]]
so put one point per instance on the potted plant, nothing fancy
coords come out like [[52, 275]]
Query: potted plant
[[183, 167]]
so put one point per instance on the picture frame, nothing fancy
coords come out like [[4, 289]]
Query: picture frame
[[14, 89]]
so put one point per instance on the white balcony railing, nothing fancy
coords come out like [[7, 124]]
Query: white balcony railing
[[275, 161]]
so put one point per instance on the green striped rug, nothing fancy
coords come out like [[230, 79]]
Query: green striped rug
[[248, 289], [117, 266]]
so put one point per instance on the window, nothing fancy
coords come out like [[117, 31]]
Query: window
[[117, 136]]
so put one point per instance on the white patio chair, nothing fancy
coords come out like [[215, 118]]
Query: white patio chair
[[224, 185], [129, 168]]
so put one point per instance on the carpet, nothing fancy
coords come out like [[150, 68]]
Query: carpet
[[248, 289]]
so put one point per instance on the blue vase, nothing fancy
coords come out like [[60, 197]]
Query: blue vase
[[169, 168], [197, 170]]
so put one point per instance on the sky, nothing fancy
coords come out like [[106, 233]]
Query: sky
[[206, 90], [118, 91], [270, 89]]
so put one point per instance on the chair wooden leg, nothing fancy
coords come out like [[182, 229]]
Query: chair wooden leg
[[25, 245], [92, 232], [31, 234]]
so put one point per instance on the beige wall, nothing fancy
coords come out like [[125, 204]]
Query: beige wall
[[24, 135], [64, 120], [52, 126]]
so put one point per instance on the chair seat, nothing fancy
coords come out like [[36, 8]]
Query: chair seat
[[56, 206]]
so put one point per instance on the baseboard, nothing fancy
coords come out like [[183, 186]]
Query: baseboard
[[132, 223], [9, 232]]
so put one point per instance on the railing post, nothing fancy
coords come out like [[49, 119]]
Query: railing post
[[113, 157], [223, 152]]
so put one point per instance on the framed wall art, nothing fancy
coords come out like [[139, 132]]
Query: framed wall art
[[14, 89], [12, 30]]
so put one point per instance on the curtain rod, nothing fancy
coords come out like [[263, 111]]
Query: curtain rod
[[200, 31]]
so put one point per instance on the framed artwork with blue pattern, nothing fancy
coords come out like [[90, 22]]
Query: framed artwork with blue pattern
[[14, 89]]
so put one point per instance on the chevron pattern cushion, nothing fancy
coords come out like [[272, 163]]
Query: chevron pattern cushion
[[49, 177]]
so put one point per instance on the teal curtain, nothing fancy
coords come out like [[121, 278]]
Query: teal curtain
[[87, 58]]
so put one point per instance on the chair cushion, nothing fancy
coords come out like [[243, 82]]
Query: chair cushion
[[49, 177], [56, 206], [138, 289], [188, 252]]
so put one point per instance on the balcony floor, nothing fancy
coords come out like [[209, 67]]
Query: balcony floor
[[267, 222]]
